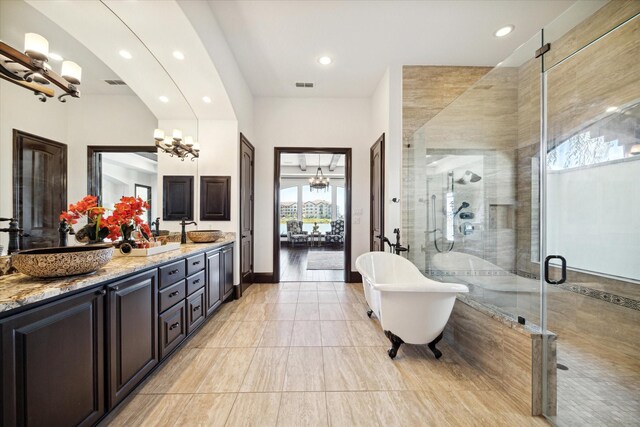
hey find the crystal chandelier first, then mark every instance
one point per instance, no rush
(175, 146)
(319, 182)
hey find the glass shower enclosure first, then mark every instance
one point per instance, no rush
(526, 189)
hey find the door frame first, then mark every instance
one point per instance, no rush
(94, 168)
(382, 184)
(277, 151)
(245, 141)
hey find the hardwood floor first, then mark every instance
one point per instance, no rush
(306, 354)
(293, 264)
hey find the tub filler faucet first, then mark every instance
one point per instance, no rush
(396, 247)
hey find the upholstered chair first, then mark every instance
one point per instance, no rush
(295, 233)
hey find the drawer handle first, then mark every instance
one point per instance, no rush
(195, 282)
(196, 308)
(172, 272)
(173, 294)
(196, 262)
(101, 292)
(175, 325)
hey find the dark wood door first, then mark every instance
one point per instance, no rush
(53, 363)
(133, 333)
(212, 293)
(377, 195)
(227, 271)
(40, 188)
(247, 184)
(177, 197)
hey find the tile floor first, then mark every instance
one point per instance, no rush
(305, 354)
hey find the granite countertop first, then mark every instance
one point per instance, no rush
(18, 290)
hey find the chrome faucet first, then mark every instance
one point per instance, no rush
(183, 223)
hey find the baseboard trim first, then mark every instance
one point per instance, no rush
(355, 277)
(263, 278)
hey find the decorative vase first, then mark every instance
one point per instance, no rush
(91, 234)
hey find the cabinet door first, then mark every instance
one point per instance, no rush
(53, 363)
(227, 254)
(173, 328)
(213, 281)
(133, 345)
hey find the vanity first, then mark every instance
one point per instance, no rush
(73, 348)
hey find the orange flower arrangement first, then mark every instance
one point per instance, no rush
(121, 223)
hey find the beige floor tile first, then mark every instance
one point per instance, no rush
(164, 377)
(305, 369)
(282, 312)
(247, 334)
(343, 370)
(326, 286)
(219, 336)
(290, 286)
(328, 297)
(277, 333)
(354, 311)
(228, 372)
(307, 297)
(351, 409)
(207, 410)
(406, 408)
(255, 409)
(285, 297)
(306, 333)
(303, 409)
(386, 375)
(366, 333)
(256, 312)
(335, 333)
(308, 286)
(330, 312)
(151, 410)
(190, 376)
(307, 311)
(266, 371)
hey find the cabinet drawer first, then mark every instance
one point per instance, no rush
(195, 264)
(171, 295)
(172, 328)
(171, 273)
(195, 310)
(195, 282)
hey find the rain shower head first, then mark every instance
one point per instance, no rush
(469, 177)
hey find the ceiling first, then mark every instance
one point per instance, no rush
(277, 43)
(311, 160)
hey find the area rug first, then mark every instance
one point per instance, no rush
(327, 260)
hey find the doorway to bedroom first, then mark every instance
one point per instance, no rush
(312, 212)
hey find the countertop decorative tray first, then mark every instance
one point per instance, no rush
(148, 251)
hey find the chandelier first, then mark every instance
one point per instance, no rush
(32, 71)
(319, 182)
(175, 146)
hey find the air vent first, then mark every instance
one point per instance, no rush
(301, 84)
(115, 82)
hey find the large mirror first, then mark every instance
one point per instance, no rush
(102, 143)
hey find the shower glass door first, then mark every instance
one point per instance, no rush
(590, 176)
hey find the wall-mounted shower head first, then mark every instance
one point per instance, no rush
(469, 177)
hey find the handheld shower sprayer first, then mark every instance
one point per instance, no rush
(464, 205)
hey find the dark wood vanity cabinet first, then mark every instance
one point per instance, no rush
(133, 333)
(70, 361)
(53, 363)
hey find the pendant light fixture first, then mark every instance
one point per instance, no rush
(319, 182)
(175, 145)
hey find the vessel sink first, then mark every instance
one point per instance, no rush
(205, 236)
(62, 261)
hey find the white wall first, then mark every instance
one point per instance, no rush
(386, 117)
(592, 217)
(310, 122)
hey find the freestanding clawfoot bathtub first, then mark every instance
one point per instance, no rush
(412, 308)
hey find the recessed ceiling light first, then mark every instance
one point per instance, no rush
(163, 99)
(611, 109)
(325, 60)
(55, 56)
(178, 55)
(504, 31)
(125, 54)
(206, 99)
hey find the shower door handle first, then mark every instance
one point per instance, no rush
(563, 266)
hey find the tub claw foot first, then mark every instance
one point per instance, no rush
(432, 346)
(369, 313)
(396, 342)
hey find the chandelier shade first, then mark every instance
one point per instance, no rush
(319, 182)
